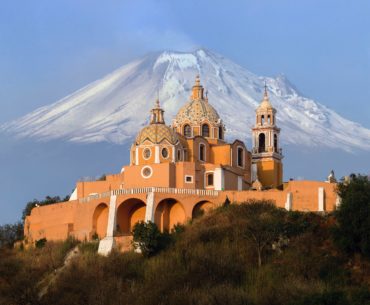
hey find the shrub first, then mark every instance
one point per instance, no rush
(40, 243)
(352, 233)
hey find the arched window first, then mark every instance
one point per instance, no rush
(205, 130)
(263, 120)
(178, 155)
(275, 142)
(202, 152)
(240, 157)
(220, 133)
(261, 143)
(187, 131)
(269, 119)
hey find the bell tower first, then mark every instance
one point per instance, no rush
(266, 153)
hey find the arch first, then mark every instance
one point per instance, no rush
(168, 213)
(275, 142)
(187, 130)
(261, 142)
(201, 208)
(100, 220)
(205, 130)
(129, 213)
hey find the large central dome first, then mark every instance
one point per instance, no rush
(196, 112)
(197, 109)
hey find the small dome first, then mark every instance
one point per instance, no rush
(265, 104)
(196, 111)
(156, 133)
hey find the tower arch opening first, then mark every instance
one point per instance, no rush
(261, 142)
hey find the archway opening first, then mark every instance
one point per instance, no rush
(275, 143)
(100, 220)
(261, 143)
(202, 208)
(129, 213)
(169, 213)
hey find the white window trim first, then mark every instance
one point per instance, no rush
(168, 152)
(144, 154)
(142, 172)
(189, 176)
(205, 179)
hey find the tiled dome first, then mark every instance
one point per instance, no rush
(156, 133)
(196, 111)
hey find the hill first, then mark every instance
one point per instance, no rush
(212, 260)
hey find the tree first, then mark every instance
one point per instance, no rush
(148, 238)
(352, 233)
(10, 233)
(265, 225)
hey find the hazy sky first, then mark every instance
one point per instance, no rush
(48, 49)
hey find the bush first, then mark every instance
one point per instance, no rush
(40, 243)
(352, 233)
(148, 239)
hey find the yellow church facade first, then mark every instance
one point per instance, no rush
(177, 172)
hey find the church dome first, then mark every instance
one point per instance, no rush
(196, 111)
(156, 133)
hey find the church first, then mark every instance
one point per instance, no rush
(177, 172)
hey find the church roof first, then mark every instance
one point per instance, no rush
(157, 133)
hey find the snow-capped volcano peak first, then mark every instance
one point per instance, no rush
(115, 107)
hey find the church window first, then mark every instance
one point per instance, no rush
(146, 172)
(263, 120)
(220, 133)
(209, 179)
(240, 156)
(275, 143)
(205, 130)
(147, 153)
(269, 119)
(188, 179)
(179, 155)
(202, 152)
(165, 153)
(261, 143)
(187, 131)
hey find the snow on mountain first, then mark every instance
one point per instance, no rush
(115, 107)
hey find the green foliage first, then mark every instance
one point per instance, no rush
(212, 260)
(40, 243)
(10, 233)
(47, 201)
(353, 216)
(148, 239)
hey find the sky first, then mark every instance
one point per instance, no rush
(48, 49)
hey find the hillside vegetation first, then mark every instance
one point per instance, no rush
(249, 253)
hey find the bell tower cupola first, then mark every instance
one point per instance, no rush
(267, 154)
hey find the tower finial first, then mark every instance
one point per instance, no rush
(157, 105)
(265, 93)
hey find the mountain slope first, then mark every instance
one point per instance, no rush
(115, 107)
